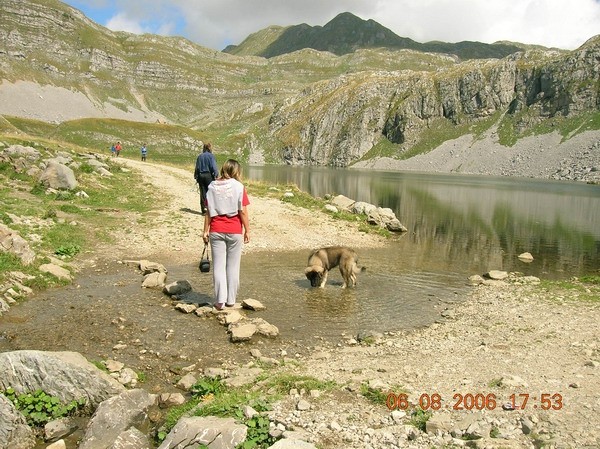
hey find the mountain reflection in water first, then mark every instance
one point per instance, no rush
(471, 224)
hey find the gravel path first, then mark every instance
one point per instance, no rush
(274, 224)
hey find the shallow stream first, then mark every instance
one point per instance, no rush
(106, 307)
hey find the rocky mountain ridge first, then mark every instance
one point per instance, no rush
(304, 108)
(340, 121)
(347, 33)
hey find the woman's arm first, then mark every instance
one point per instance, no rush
(206, 227)
(245, 224)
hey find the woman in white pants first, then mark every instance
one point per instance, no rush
(226, 227)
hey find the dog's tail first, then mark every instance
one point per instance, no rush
(356, 269)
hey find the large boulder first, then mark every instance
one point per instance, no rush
(222, 433)
(14, 431)
(115, 416)
(66, 375)
(362, 208)
(342, 202)
(132, 438)
(58, 176)
(385, 218)
(20, 157)
(12, 242)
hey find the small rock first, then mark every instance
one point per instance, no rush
(335, 426)
(252, 304)
(229, 317)
(186, 382)
(303, 405)
(113, 366)
(167, 400)
(60, 444)
(398, 416)
(497, 275)
(186, 308)
(526, 426)
(178, 288)
(249, 412)
(243, 332)
(215, 373)
(203, 311)
(526, 257)
(476, 280)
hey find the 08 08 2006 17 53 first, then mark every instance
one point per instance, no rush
(478, 401)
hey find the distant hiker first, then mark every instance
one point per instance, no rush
(205, 172)
(144, 151)
(113, 150)
(118, 148)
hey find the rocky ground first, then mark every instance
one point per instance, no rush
(509, 337)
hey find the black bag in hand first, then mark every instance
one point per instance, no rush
(204, 261)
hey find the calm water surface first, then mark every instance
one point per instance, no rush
(460, 224)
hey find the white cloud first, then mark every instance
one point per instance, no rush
(121, 22)
(545, 22)
(216, 23)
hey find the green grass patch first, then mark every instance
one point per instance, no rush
(283, 383)
(495, 383)
(64, 239)
(39, 408)
(210, 397)
(526, 123)
(442, 130)
(585, 288)
(372, 394)
(383, 148)
(63, 223)
(68, 250)
(419, 418)
(206, 386)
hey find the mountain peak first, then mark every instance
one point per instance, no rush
(346, 33)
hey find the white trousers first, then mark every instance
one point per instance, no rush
(227, 254)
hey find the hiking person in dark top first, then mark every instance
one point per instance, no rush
(205, 172)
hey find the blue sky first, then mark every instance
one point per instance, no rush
(217, 23)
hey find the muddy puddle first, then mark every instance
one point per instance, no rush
(106, 314)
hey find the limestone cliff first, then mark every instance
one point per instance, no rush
(339, 121)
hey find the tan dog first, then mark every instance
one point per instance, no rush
(322, 260)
